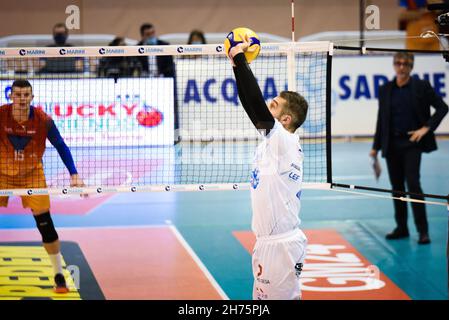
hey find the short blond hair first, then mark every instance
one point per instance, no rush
(296, 106)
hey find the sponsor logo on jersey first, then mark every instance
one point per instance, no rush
(294, 176)
(255, 179)
(263, 281)
(259, 272)
(260, 294)
(295, 166)
(298, 269)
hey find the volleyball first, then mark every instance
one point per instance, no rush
(236, 36)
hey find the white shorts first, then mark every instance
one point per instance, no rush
(277, 264)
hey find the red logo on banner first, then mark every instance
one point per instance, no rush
(149, 117)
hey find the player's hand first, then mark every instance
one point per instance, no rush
(373, 153)
(233, 52)
(417, 135)
(241, 47)
(76, 181)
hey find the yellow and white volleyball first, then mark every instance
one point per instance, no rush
(237, 35)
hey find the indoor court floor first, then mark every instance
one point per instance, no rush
(197, 245)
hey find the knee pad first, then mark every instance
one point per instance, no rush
(45, 225)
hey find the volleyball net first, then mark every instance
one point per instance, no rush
(156, 118)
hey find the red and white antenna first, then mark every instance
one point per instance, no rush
(291, 61)
(293, 20)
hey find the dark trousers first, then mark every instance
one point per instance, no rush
(403, 162)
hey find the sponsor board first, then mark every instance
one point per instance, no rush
(102, 112)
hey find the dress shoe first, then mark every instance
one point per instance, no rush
(423, 238)
(397, 234)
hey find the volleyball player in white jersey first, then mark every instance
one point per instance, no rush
(276, 180)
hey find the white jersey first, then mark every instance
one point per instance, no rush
(276, 182)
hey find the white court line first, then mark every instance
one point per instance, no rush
(198, 262)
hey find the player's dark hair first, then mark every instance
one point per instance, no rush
(21, 83)
(296, 106)
(144, 27)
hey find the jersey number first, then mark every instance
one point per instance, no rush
(19, 155)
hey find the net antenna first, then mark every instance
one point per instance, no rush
(291, 55)
(293, 20)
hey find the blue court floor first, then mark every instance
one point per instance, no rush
(207, 220)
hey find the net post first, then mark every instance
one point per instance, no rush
(328, 114)
(362, 7)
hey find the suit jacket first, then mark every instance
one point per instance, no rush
(423, 97)
(165, 64)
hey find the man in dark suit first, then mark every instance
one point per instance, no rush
(404, 131)
(157, 66)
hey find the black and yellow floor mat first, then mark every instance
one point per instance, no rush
(26, 273)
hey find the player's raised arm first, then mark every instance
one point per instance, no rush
(249, 92)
